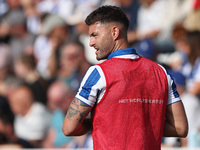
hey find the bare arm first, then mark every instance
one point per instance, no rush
(176, 124)
(75, 122)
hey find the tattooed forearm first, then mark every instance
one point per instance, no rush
(82, 115)
(73, 109)
(76, 121)
(78, 108)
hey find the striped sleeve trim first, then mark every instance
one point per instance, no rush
(92, 86)
(173, 95)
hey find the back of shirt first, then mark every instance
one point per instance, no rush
(132, 112)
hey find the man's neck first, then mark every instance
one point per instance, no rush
(121, 44)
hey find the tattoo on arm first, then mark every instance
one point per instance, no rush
(83, 104)
(74, 109)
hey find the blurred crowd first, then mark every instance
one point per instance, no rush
(44, 54)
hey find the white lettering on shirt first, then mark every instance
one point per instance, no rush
(138, 100)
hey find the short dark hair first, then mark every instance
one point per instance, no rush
(107, 14)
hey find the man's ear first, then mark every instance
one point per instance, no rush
(115, 32)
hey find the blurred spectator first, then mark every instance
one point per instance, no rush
(155, 22)
(179, 31)
(13, 5)
(191, 97)
(73, 64)
(9, 84)
(59, 99)
(8, 6)
(186, 61)
(32, 15)
(59, 96)
(179, 57)
(25, 69)
(176, 60)
(6, 128)
(173, 61)
(55, 32)
(179, 7)
(131, 8)
(62, 8)
(21, 41)
(32, 119)
(150, 16)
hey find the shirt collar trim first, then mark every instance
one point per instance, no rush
(122, 52)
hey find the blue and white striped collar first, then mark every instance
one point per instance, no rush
(124, 53)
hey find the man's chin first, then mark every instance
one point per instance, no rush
(99, 59)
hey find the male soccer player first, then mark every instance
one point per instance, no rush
(132, 100)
